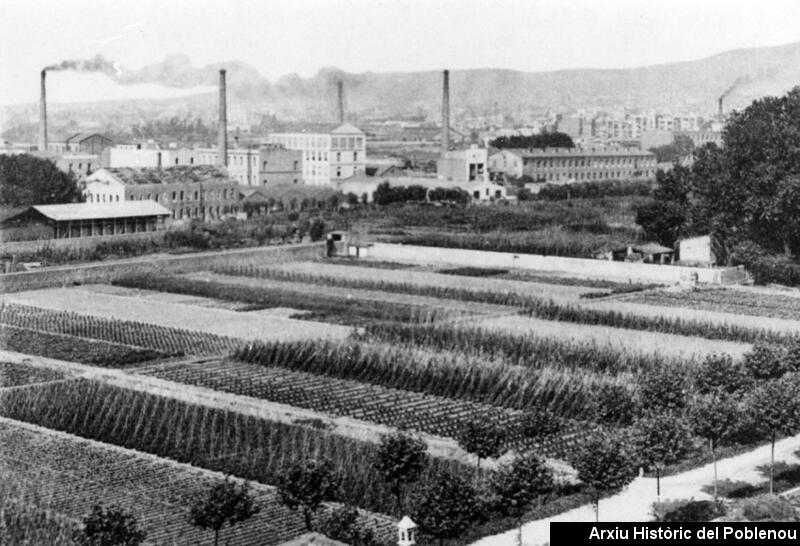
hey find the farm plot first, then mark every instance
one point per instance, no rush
(206, 437)
(14, 375)
(637, 341)
(369, 278)
(170, 341)
(392, 407)
(219, 322)
(657, 310)
(73, 349)
(69, 475)
(726, 300)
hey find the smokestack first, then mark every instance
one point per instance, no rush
(446, 113)
(340, 85)
(43, 114)
(222, 136)
(720, 105)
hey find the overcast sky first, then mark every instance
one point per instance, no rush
(301, 36)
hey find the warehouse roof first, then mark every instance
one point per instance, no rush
(180, 174)
(99, 211)
(576, 152)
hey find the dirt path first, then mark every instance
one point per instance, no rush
(635, 501)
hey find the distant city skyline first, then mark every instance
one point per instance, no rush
(280, 38)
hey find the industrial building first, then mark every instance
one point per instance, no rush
(189, 191)
(566, 165)
(330, 152)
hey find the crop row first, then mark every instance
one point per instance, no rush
(528, 350)
(727, 301)
(392, 407)
(539, 307)
(172, 341)
(68, 476)
(216, 439)
(13, 374)
(73, 349)
(564, 392)
(330, 307)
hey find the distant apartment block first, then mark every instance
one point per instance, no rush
(189, 191)
(329, 153)
(565, 165)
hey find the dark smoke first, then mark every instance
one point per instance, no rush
(739, 81)
(95, 64)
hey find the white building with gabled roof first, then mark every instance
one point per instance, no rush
(331, 152)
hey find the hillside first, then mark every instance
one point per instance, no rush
(692, 85)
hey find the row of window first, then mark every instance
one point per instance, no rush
(609, 175)
(203, 212)
(590, 162)
(210, 195)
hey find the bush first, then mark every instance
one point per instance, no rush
(342, 524)
(768, 508)
(683, 510)
(734, 489)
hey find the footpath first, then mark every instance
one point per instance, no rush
(634, 503)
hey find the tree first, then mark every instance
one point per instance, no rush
(519, 483)
(306, 485)
(29, 180)
(603, 464)
(766, 361)
(342, 525)
(316, 229)
(446, 507)
(225, 502)
(681, 147)
(662, 221)
(482, 438)
(720, 373)
(613, 405)
(775, 407)
(750, 188)
(715, 417)
(662, 389)
(400, 458)
(110, 527)
(661, 439)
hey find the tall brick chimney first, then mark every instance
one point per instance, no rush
(43, 113)
(446, 113)
(222, 136)
(340, 86)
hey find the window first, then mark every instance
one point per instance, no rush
(181, 195)
(355, 156)
(338, 156)
(196, 195)
(117, 197)
(176, 160)
(173, 196)
(295, 165)
(338, 172)
(191, 161)
(264, 168)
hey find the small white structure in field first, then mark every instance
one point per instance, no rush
(696, 251)
(406, 532)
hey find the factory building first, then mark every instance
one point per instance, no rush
(194, 191)
(566, 165)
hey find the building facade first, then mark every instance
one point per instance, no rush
(567, 165)
(193, 191)
(329, 153)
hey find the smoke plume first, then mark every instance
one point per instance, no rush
(739, 81)
(95, 64)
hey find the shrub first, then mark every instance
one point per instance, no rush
(734, 489)
(687, 510)
(766, 361)
(768, 508)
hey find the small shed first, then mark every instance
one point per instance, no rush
(648, 253)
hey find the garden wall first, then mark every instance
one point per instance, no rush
(575, 267)
(105, 272)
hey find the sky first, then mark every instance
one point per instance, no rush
(302, 36)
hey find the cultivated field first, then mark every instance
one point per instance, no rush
(219, 322)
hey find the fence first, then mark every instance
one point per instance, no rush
(575, 267)
(76, 243)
